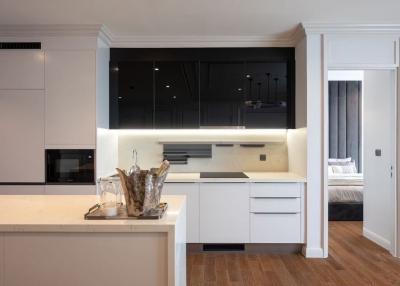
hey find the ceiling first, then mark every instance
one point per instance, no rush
(198, 17)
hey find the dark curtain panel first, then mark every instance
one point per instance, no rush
(345, 120)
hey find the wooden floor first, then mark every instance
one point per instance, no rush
(353, 260)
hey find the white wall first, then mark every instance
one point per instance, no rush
(106, 153)
(102, 85)
(234, 158)
(337, 48)
(337, 75)
(379, 198)
(316, 245)
(297, 151)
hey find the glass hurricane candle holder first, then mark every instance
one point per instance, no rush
(109, 195)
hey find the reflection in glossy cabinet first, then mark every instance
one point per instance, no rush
(176, 95)
(266, 98)
(135, 95)
(222, 93)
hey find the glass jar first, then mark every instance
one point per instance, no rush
(109, 195)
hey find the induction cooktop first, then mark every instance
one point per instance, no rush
(223, 175)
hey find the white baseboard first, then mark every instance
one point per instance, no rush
(310, 252)
(377, 238)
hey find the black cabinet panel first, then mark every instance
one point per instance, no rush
(176, 95)
(193, 87)
(266, 95)
(221, 93)
(135, 95)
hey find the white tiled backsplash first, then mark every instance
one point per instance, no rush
(234, 158)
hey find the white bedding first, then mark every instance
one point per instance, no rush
(353, 179)
(345, 187)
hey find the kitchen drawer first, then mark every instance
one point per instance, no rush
(275, 205)
(277, 190)
(275, 228)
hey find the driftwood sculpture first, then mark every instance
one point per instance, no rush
(142, 188)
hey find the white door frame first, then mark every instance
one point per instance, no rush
(325, 134)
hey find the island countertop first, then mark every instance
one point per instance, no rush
(54, 213)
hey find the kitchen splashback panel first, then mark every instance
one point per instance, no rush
(232, 158)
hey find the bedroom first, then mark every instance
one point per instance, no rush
(361, 153)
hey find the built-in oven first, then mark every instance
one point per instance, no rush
(70, 166)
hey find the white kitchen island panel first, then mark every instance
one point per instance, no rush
(46, 239)
(191, 191)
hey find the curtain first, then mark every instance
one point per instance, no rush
(345, 120)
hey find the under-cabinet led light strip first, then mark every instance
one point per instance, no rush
(200, 132)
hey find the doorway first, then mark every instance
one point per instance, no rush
(361, 176)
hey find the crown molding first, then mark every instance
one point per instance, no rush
(50, 30)
(198, 41)
(332, 28)
(128, 41)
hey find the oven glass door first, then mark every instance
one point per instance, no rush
(70, 166)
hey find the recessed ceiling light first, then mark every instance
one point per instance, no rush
(119, 97)
(239, 89)
(116, 69)
(156, 69)
(248, 76)
(167, 86)
(174, 97)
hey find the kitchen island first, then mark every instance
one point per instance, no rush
(44, 240)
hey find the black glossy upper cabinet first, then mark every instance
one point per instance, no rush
(221, 93)
(176, 95)
(202, 87)
(133, 99)
(267, 101)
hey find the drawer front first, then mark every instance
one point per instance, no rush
(275, 228)
(277, 190)
(275, 205)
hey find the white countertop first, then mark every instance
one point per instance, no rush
(52, 213)
(276, 177)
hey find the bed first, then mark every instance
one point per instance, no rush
(345, 193)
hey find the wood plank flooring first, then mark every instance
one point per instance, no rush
(353, 260)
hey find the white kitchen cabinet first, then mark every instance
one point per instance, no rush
(275, 205)
(275, 228)
(70, 98)
(191, 191)
(22, 136)
(224, 212)
(279, 190)
(277, 213)
(22, 189)
(21, 69)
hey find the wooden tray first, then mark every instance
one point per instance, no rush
(95, 213)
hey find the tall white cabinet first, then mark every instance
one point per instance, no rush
(48, 101)
(22, 116)
(21, 69)
(70, 98)
(22, 136)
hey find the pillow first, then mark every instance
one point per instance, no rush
(349, 168)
